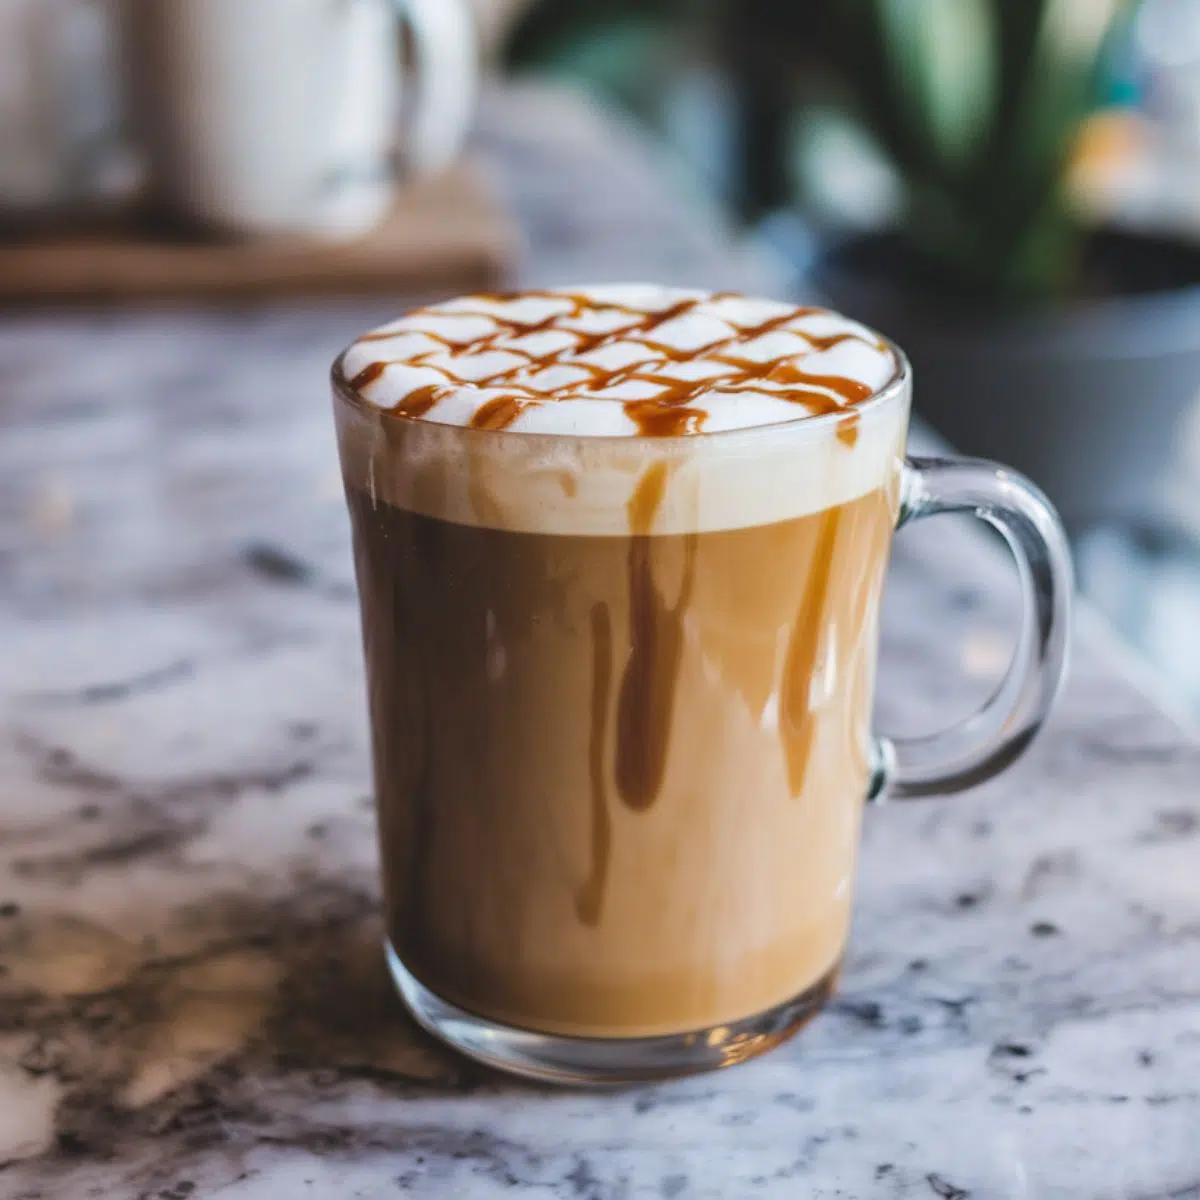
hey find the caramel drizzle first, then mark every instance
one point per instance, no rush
(797, 720)
(647, 699)
(590, 898)
(659, 418)
(417, 404)
(499, 413)
(368, 375)
(647, 695)
(653, 417)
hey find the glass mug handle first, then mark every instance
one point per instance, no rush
(984, 744)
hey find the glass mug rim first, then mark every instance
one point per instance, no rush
(897, 386)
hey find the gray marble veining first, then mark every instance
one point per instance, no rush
(192, 1001)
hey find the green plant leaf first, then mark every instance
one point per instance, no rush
(944, 66)
(977, 103)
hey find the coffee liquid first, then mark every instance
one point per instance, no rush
(620, 778)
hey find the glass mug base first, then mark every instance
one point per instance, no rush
(600, 1062)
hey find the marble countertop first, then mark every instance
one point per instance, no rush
(192, 999)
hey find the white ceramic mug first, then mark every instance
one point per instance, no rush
(60, 145)
(262, 117)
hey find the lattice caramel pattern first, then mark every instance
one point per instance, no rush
(661, 363)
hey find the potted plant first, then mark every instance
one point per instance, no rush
(626, 50)
(1072, 354)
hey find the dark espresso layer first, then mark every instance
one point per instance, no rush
(620, 778)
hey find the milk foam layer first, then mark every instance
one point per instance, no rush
(588, 482)
(572, 361)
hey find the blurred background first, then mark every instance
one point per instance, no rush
(1008, 188)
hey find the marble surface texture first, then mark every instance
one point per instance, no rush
(192, 1000)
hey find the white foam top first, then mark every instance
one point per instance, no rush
(579, 361)
(602, 365)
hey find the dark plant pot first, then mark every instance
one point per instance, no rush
(1087, 398)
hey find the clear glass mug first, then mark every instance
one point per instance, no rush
(621, 746)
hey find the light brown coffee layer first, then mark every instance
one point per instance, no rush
(620, 777)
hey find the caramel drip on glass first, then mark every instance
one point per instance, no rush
(590, 899)
(646, 703)
(827, 341)
(650, 416)
(647, 498)
(797, 722)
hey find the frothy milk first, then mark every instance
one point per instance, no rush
(605, 381)
(582, 361)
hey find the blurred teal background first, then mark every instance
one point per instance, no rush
(1023, 173)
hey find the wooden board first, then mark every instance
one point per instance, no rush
(446, 233)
